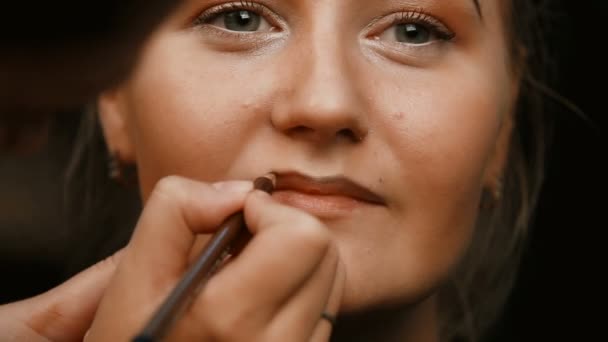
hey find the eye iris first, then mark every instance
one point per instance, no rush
(242, 20)
(413, 34)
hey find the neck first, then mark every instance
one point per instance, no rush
(418, 323)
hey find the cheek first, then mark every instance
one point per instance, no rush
(439, 142)
(444, 136)
(185, 115)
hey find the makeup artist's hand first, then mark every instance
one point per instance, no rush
(61, 314)
(275, 290)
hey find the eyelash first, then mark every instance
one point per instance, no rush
(417, 16)
(421, 18)
(212, 13)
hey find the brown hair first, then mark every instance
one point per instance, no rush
(475, 297)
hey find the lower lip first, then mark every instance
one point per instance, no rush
(321, 206)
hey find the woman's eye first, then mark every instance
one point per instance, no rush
(413, 34)
(416, 29)
(410, 33)
(238, 20)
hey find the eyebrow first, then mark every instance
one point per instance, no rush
(477, 7)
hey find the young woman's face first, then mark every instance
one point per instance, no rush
(383, 118)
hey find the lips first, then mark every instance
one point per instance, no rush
(324, 197)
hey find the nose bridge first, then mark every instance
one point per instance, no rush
(326, 78)
(322, 95)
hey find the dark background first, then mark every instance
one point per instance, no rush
(559, 287)
(557, 297)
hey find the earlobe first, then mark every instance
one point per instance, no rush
(115, 125)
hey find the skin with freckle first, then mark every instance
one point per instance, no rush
(335, 88)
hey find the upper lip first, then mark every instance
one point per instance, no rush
(331, 185)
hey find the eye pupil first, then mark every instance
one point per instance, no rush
(242, 20)
(413, 34)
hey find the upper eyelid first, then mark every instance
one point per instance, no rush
(426, 19)
(213, 11)
(416, 15)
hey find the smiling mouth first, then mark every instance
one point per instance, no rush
(324, 197)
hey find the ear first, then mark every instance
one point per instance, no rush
(495, 168)
(497, 163)
(114, 120)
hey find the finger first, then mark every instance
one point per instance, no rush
(175, 212)
(299, 318)
(324, 328)
(286, 250)
(66, 312)
(178, 209)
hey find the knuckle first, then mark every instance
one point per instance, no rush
(311, 233)
(171, 191)
(168, 186)
(233, 321)
(220, 327)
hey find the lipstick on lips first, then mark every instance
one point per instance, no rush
(324, 197)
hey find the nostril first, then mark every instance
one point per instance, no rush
(299, 130)
(305, 132)
(349, 134)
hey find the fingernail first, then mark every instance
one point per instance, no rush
(260, 193)
(239, 187)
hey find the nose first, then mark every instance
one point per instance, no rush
(320, 103)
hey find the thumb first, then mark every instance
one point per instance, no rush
(65, 313)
